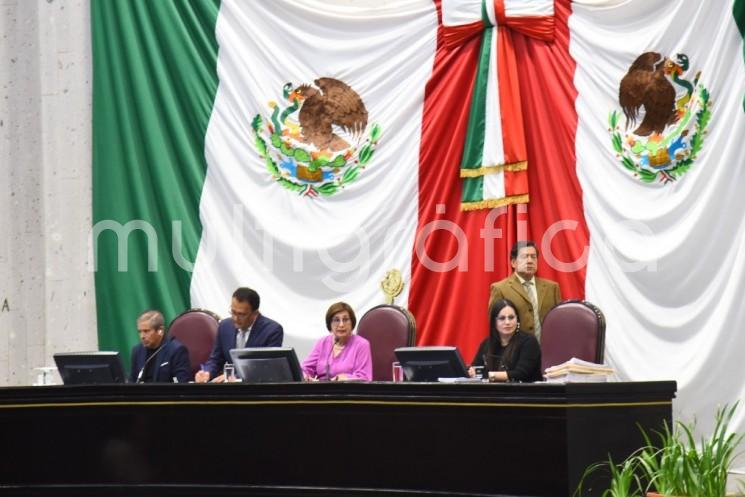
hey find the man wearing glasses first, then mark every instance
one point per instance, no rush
(246, 327)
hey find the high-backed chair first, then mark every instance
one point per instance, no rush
(197, 329)
(574, 328)
(387, 327)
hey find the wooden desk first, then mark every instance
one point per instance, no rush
(320, 438)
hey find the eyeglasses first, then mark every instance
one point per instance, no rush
(338, 321)
(507, 318)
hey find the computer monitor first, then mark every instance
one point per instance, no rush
(266, 364)
(85, 368)
(431, 363)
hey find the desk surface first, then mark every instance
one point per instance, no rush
(321, 438)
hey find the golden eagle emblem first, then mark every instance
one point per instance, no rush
(672, 113)
(646, 85)
(332, 103)
(319, 141)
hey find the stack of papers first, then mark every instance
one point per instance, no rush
(577, 370)
(460, 380)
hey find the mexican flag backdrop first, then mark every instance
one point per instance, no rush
(306, 148)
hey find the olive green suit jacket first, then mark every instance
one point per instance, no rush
(510, 288)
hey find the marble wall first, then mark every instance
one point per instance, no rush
(47, 300)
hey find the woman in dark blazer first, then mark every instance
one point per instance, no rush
(508, 354)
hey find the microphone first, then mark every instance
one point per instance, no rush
(328, 359)
(142, 371)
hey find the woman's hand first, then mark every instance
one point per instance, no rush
(498, 376)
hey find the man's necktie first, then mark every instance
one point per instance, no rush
(534, 303)
(240, 339)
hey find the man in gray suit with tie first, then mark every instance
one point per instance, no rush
(246, 327)
(532, 296)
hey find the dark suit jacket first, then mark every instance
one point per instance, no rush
(172, 360)
(264, 333)
(510, 288)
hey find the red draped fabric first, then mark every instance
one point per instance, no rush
(449, 303)
(546, 75)
(509, 99)
(540, 28)
(455, 36)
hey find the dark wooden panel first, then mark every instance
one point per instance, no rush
(532, 440)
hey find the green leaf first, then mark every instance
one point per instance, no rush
(339, 161)
(316, 163)
(271, 166)
(290, 185)
(704, 94)
(260, 146)
(366, 154)
(697, 142)
(256, 122)
(285, 149)
(647, 176)
(294, 187)
(683, 166)
(350, 174)
(613, 119)
(301, 155)
(375, 132)
(628, 163)
(328, 189)
(276, 140)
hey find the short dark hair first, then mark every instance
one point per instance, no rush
(521, 245)
(336, 309)
(245, 294)
(154, 319)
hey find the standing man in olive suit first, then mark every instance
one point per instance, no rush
(532, 296)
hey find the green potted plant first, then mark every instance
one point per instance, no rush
(681, 468)
(624, 478)
(676, 466)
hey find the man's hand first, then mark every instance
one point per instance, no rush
(202, 377)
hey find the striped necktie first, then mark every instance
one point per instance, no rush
(240, 339)
(534, 303)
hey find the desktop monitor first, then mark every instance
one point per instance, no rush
(85, 368)
(266, 364)
(431, 363)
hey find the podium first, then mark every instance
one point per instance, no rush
(320, 438)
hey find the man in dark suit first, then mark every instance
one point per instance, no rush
(158, 358)
(532, 296)
(246, 327)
